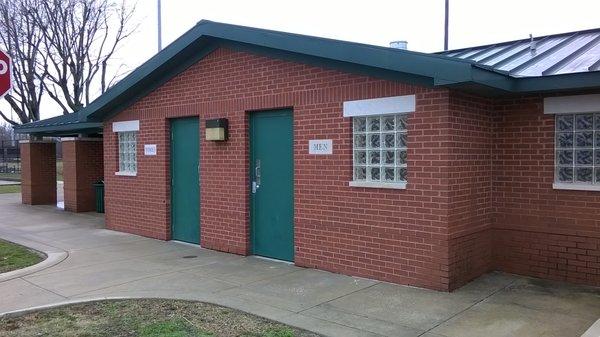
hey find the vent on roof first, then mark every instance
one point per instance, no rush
(399, 44)
(532, 44)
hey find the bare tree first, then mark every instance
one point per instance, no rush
(21, 37)
(62, 49)
(6, 132)
(80, 37)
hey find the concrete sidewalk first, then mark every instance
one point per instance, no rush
(103, 263)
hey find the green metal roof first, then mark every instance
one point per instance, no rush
(64, 125)
(389, 63)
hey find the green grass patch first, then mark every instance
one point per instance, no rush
(145, 318)
(10, 176)
(59, 170)
(13, 257)
(174, 328)
(10, 189)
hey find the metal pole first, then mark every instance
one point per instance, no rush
(159, 27)
(445, 26)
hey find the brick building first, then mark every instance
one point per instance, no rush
(419, 169)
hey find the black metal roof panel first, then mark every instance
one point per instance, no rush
(566, 53)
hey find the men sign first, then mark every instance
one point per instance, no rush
(5, 74)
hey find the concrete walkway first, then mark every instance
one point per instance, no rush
(103, 263)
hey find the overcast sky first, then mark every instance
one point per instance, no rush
(378, 22)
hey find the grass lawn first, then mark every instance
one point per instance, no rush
(14, 257)
(59, 170)
(145, 318)
(10, 189)
(10, 176)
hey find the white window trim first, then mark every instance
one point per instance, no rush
(575, 187)
(377, 184)
(572, 104)
(380, 106)
(126, 126)
(126, 174)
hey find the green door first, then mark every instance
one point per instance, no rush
(185, 181)
(272, 179)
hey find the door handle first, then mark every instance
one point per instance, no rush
(256, 182)
(257, 172)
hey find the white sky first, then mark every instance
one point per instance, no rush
(376, 22)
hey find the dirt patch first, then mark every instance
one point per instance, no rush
(145, 318)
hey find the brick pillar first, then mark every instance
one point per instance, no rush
(38, 172)
(83, 165)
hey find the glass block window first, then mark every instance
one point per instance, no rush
(127, 152)
(577, 149)
(380, 148)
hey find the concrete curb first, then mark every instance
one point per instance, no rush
(285, 317)
(21, 312)
(593, 331)
(53, 256)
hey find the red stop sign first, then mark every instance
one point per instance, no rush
(5, 74)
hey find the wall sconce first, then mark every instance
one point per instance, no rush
(217, 129)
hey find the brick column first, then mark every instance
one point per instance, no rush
(38, 172)
(83, 166)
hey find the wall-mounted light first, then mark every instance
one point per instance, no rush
(217, 129)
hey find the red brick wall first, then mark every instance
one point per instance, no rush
(392, 235)
(480, 178)
(82, 167)
(139, 204)
(38, 173)
(470, 177)
(539, 231)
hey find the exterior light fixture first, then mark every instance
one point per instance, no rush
(217, 129)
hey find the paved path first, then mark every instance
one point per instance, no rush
(104, 263)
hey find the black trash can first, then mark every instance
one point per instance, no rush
(99, 186)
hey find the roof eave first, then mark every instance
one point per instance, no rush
(564, 82)
(188, 50)
(51, 130)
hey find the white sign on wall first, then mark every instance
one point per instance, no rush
(150, 149)
(320, 146)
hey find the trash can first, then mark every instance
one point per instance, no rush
(99, 186)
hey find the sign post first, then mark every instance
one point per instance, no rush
(5, 73)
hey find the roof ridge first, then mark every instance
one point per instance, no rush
(328, 39)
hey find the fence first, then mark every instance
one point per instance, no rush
(10, 158)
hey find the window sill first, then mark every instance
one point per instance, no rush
(374, 184)
(126, 174)
(576, 187)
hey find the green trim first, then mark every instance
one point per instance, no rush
(431, 70)
(206, 36)
(565, 82)
(64, 128)
(328, 63)
(130, 91)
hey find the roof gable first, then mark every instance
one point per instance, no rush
(422, 68)
(462, 69)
